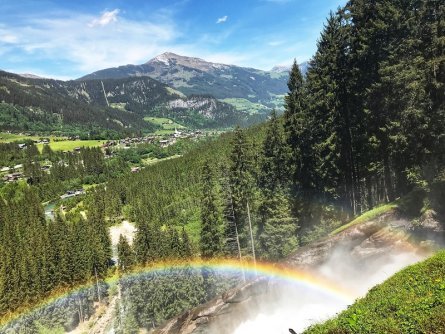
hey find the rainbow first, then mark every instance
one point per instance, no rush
(274, 272)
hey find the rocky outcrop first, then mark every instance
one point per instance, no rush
(364, 243)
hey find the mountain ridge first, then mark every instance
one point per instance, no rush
(192, 75)
(118, 104)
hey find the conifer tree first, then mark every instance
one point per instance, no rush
(210, 241)
(273, 157)
(241, 181)
(125, 254)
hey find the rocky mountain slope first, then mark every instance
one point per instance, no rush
(111, 104)
(197, 76)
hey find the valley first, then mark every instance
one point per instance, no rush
(166, 181)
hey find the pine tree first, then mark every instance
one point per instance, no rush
(186, 247)
(278, 234)
(210, 241)
(241, 182)
(273, 157)
(125, 254)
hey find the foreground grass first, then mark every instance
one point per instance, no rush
(411, 301)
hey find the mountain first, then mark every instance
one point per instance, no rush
(286, 68)
(112, 104)
(196, 76)
(30, 76)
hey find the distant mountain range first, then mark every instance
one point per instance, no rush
(109, 104)
(242, 87)
(191, 91)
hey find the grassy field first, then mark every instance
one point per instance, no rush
(56, 143)
(69, 145)
(245, 105)
(168, 126)
(151, 161)
(120, 106)
(10, 137)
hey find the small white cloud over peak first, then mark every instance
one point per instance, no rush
(106, 18)
(8, 38)
(222, 19)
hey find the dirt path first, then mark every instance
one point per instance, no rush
(105, 318)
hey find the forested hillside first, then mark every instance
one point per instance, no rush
(32, 105)
(98, 106)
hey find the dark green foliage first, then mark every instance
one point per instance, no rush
(60, 316)
(125, 254)
(151, 298)
(277, 229)
(210, 240)
(37, 256)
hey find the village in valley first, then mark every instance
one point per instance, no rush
(109, 148)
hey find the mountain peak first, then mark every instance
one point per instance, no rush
(165, 57)
(171, 59)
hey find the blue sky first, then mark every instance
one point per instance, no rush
(68, 39)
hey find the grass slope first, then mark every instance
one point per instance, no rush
(69, 145)
(368, 215)
(411, 301)
(6, 137)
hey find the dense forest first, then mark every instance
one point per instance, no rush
(365, 126)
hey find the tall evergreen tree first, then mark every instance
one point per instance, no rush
(210, 241)
(241, 181)
(125, 254)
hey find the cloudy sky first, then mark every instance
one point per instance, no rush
(68, 39)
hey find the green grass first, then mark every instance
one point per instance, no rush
(411, 301)
(368, 215)
(245, 105)
(120, 106)
(56, 143)
(10, 137)
(150, 161)
(69, 145)
(165, 123)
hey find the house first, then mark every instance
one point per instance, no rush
(5, 169)
(13, 177)
(135, 169)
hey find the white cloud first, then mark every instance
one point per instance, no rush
(275, 43)
(222, 19)
(8, 38)
(68, 37)
(106, 18)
